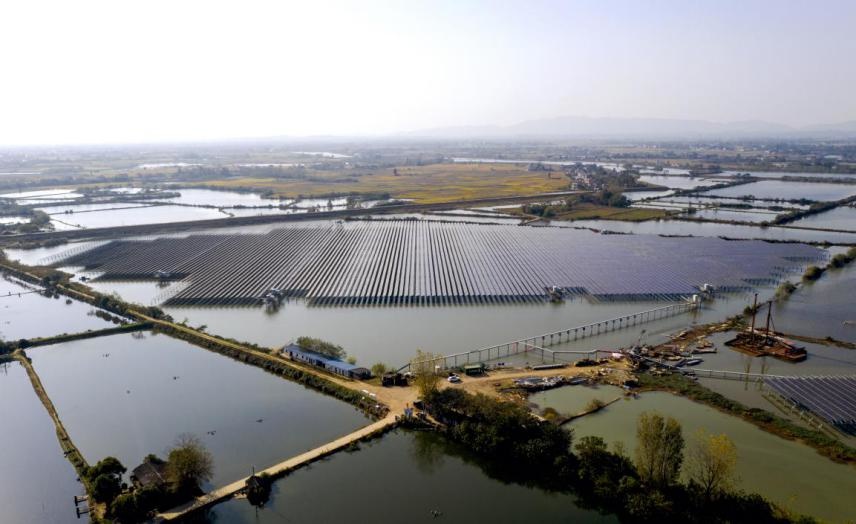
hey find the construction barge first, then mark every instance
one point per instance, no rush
(765, 341)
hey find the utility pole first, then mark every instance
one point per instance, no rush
(754, 311)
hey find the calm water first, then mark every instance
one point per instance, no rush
(643, 195)
(575, 399)
(31, 315)
(781, 174)
(712, 229)
(129, 397)
(392, 334)
(209, 197)
(822, 307)
(403, 477)
(767, 464)
(36, 482)
(135, 216)
(679, 182)
(742, 216)
(789, 190)
(838, 218)
(70, 209)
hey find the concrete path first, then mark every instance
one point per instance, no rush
(229, 490)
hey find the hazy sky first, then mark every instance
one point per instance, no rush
(112, 71)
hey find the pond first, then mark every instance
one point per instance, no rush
(134, 216)
(679, 182)
(782, 174)
(839, 218)
(210, 197)
(713, 229)
(822, 308)
(37, 483)
(28, 314)
(404, 476)
(735, 215)
(131, 395)
(85, 208)
(767, 464)
(788, 190)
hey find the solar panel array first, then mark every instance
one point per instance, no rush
(420, 262)
(832, 398)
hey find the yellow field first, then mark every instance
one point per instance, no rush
(423, 184)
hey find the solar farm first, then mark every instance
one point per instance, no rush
(831, 398)
(421, 262)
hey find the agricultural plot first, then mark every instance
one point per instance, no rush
(832, 398)
(418, 262)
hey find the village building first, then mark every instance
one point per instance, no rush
(330, 364)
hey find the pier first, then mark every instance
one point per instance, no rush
(538, 344)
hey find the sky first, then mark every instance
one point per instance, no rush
(154, 71)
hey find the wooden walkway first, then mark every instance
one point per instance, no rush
(224, 492)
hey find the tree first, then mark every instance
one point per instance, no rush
(711, 461)
(379, 369)
(105, 487)
(189, 463)
(659, 449)
(424, 373)
(316, 345)
(106, 466)
(105, 479)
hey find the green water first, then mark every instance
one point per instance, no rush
(402, 478)
(788, 473)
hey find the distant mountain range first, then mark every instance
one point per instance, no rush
(661, 128)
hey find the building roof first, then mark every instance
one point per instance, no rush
(148, 474)
(324, 359)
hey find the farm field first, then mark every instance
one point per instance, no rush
(422, 184)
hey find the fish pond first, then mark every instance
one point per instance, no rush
(409, 475)
(767, 464)
(37, 483)
(26, 313)
(131, 395)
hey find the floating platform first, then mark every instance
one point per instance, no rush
(762, 344)
(422, 262)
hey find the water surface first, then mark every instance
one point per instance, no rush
(37, 484)
(131, 396)
(403, 477)
(767, 464)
